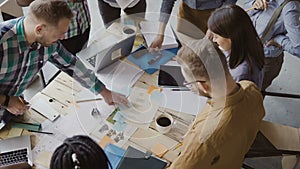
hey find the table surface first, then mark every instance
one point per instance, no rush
(62, 90)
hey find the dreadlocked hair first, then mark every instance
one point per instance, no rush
(79, 152)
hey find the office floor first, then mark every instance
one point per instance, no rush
(279, 110)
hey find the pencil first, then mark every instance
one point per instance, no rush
(177, 146)
(88, 100)
(249, 9)
(42, 132)
(21, 100)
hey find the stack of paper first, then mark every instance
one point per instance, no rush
(150, 29)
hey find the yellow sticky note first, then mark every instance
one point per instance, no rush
(159, 150)
(152, 88)
(14, 132)
(43, 158)
(105, 140)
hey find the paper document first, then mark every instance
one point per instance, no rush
(182, 101)
(150, 29)
(120, 76)
(143, 107)
(43, 107)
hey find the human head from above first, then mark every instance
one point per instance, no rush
(79, 152)
(47, 21)
(204, 68)
(234, 32)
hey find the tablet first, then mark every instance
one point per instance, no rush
(170, 76)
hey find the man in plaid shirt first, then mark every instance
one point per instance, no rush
(79, 28)
(27, 43)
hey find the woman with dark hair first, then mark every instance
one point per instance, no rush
(233, 31)
(79, 152)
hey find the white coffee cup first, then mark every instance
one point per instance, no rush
(129, 30)
(164, 123)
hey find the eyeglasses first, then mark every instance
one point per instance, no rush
(189, 84)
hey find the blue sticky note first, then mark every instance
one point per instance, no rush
(144, 61)
(114, 154)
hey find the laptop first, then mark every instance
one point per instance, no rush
(110, 54)
(15, 153)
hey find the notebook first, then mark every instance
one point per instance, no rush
(136, 159)
(15, 153)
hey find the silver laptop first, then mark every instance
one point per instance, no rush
(15, 153)
(109, 55)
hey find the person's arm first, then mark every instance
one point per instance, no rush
(14, 104)
(165, 11)
(290, 41)
(24, 3)
(194, 155)
(74, 67)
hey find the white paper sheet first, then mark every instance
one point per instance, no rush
(183, 101)
(120, 76)
(142, 107)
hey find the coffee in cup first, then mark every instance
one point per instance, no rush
(128, 30)
(164, 123)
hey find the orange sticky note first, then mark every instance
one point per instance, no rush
(105, 140)
(152, 88)
(159, 150)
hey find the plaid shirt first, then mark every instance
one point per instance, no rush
(81, 21)
(19, 63)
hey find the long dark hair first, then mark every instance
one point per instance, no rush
(79, 151)
(234, 23)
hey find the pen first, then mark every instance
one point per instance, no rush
(42, 132)
(88, 100)
(183, 89)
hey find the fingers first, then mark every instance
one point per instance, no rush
(260, 4)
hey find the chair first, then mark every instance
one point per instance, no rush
(263, 147)
(9, 9)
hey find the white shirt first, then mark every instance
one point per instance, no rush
(122, 3)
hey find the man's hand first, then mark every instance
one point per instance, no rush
(112, 98)
(260, 4)
(17, 105)
(157, 43)
(209, 35)
(273, 43)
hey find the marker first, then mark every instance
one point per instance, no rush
(42, 132)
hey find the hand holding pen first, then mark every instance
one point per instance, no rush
(17, 105)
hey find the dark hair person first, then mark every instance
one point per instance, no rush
(233, 31)
(79, 152)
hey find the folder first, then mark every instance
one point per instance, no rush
(136, 159)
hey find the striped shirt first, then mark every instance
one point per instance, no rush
(19, 62)
(81, 20)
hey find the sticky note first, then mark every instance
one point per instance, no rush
(14, 132)
(43, 158)
(159, 150)
(152, 88)
(105, 140)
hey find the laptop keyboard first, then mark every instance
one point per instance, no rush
(92, 60)
(13, 157)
